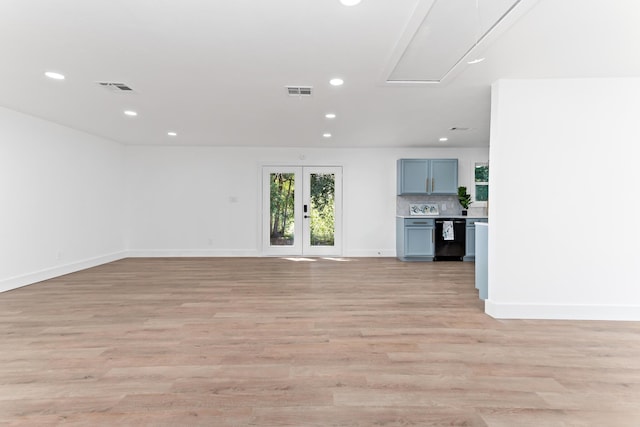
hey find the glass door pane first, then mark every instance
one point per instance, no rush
(322, 228)
(281, 210)
(282, 187)
(322, 209)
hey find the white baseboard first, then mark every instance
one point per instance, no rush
(170, 253)
(366, 253)
(60, 270)
(562, 312)
(176, 253)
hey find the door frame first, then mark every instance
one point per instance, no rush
(301, 246)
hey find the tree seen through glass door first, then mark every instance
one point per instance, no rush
(322, 209)
(282, 209)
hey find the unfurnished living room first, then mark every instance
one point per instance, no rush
(319, 213)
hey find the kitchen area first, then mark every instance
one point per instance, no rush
(434, 221)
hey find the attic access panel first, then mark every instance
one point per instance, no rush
(448, 32)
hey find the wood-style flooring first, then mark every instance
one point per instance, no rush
(276, 342)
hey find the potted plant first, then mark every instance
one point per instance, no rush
(464, 198)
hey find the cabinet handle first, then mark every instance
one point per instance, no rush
(432, 233)
(433, 184)
(427, 185)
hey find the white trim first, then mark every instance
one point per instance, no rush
(61, 270)
(195, 253)
(301, 246)
(562, 312)
(369, 253)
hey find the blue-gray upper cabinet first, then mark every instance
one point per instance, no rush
(428, 176)
(444, 176)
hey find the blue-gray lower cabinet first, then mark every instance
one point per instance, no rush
(470, 241)
(415, 239)
(482, 261)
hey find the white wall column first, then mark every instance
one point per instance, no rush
(563, 202)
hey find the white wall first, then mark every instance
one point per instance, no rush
(180, 197)
(564, 235)
(61, 200)
(72, 200)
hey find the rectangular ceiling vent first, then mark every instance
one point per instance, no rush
(459, 128)
(116, 87)
(299, 90)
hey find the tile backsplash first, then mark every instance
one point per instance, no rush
(447, 205)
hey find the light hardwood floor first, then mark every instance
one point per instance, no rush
(274, 342)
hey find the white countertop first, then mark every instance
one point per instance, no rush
(442, 216)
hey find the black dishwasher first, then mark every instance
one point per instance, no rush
(450, 239)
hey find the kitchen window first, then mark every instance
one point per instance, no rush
(481, 182)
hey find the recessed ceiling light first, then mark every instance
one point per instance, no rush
(54, 75)
(336, 82)
(172, 134)
(326, 135)
(444, 139)
(476, 61)
(130, 113)
(330, 115)
(350, 2)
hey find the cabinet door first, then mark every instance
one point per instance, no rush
(470, 241)
(412, 176)
(418, 241)
(444, 176)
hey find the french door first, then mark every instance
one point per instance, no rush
(302, 210)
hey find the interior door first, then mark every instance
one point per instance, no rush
(302, 210)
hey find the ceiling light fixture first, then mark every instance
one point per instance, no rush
(330, 115)
(130, 113)
(350, 2)
(336, 82)
(444, 139)
(475, 45)
(326, 135)
(172, 134)
(53, 75)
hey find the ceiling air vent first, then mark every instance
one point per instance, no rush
(459, 128)
(116, 87)
(299, 90)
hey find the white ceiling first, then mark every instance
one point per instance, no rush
(215, 71)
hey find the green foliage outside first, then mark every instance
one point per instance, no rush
(482, 173)
(322, 209)
(482, 193)
(282, 197)
(481, 179)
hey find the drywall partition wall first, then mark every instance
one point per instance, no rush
(61, 199)
(207, 200)
(563, 238)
